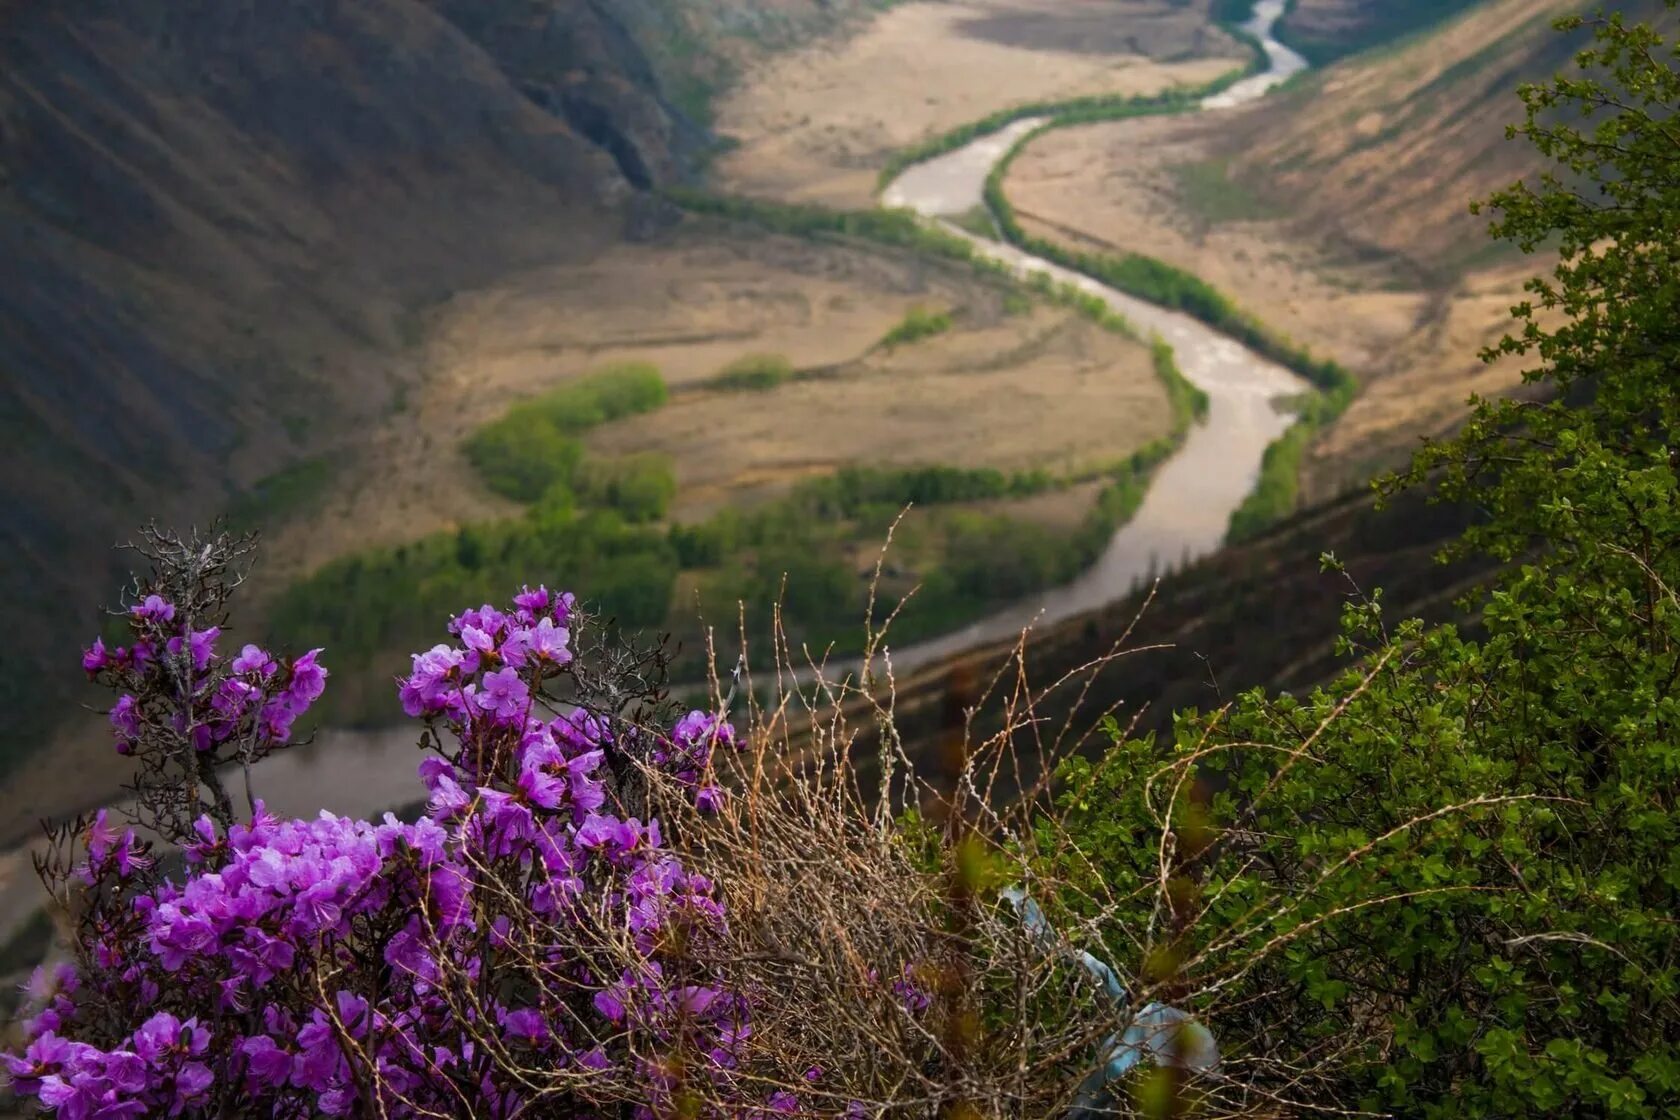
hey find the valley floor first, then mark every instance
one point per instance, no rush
(816, 125)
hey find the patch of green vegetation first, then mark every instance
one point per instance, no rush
(1277, 494)
(1188, 402)
(897, 228)
(281, 495)
(532, 448)
(857, 491)
(755, 372)
(522, 455)
(1208, 191)
(639, 487)
(978, 221)
(918, 323)
(374, 606)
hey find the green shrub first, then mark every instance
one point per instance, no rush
(1277, 493)
(917, 324)
(531, 449)
(755, 372)
(637, 487)
(523, 455)
(1454, 864)
(382, 602)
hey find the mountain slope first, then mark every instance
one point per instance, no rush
(1389, 148)
(220, 219)
(1325, 30)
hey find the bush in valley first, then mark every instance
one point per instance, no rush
(898, 228)
(372, 604)
(1186, 400)
(918, 323)
(533, 447)
(755, 372)
(638, 487)
(523, 455)
(852, 490)
(1277, 492)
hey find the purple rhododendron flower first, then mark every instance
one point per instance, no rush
(254, 660)
(504, 694)
(125, 717)
(200, 645)
(526, 847)
(309, 678)
(154, 608)
(96, 657)
(532, 602)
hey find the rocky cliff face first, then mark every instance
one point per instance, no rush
(220, 218)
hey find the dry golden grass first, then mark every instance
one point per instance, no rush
(816, 125)
(1047, 390)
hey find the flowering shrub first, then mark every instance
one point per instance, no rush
(528, 947)
(607, 907)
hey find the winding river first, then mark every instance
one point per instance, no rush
(1183, 517)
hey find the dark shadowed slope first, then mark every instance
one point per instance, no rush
(1325, 30)
(219, 220)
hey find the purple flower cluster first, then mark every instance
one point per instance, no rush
(687, 755)
(172, 683)
(336, 967)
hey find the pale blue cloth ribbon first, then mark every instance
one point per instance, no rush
(1167, 1036)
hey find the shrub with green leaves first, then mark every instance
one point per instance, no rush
(637, 487)
(533, 447)
(755, 373)
(1446, 882)
(918, 323)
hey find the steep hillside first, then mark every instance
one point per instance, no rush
(1337, 210)
(1325, 30)
(1389, 149)
(1260, 614)
(219, 223)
